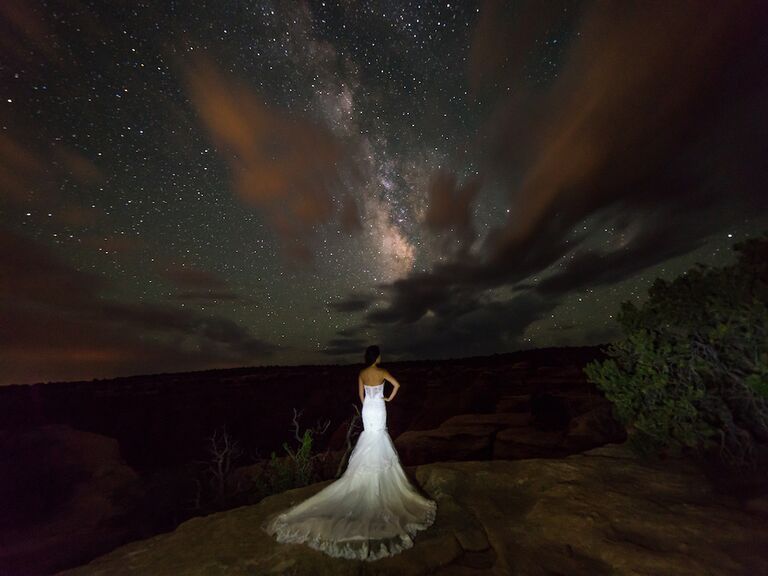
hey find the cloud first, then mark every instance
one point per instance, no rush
(505, 34)
(350, 216)
(32, 177)
(488, 327)
(644, 95)
(280, 163)
(198, 285)
(57, 324)
(78, 165)
(651, 126)
(344, 346)
(205, 296)
(449, 207)
(26, 32)
(352, 303)
(186, 277)
(127, 246)
(22, 170)
(654, 243)
(29, 31)
(80, 216)
(31, 273)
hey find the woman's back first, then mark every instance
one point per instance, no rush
(373, 375)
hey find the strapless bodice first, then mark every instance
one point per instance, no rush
(374, 392)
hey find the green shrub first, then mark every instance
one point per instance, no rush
(280, 475)
(297, 469)
(691, 371)
(299, 466)
(303, 459)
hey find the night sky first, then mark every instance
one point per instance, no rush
(199, 185)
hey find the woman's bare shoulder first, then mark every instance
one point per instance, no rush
(372, 375)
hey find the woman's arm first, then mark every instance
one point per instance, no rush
(395, 383)
(360, 390)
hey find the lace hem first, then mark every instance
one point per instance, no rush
(357, 549)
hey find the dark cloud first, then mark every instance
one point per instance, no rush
(203, 296)
(490, 326)
(112, 243)
(354, 330)
(449, 208)
(654, 243)
(56, 324)
(194, 278)
(653, 125)
(202, 286)
(30, 272)
(456, 287)
(33, 174)
(353, 303)
(34, 177)
(221, 333)
(345, 346)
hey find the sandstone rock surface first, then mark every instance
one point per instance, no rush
(597, 513)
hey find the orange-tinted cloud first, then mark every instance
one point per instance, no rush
(350, 215)
(28, 31)
(21, 170)
(24, 31)
(77, 165)
(80, 216)
(280, 163)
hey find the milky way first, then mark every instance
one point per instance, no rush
(202, 185)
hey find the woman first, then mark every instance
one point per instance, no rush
(373, 510)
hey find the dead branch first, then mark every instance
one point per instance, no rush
(354, 424)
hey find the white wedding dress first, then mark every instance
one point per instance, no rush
(372, 511)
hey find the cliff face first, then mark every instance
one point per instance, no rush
(597, 513)
(164, 420)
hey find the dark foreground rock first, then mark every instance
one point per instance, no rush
(535, 425)
(597, 513)
(66, 496)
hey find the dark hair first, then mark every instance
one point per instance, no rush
(371, 353)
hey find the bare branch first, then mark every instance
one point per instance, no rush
(354, 424)
(296, 415)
